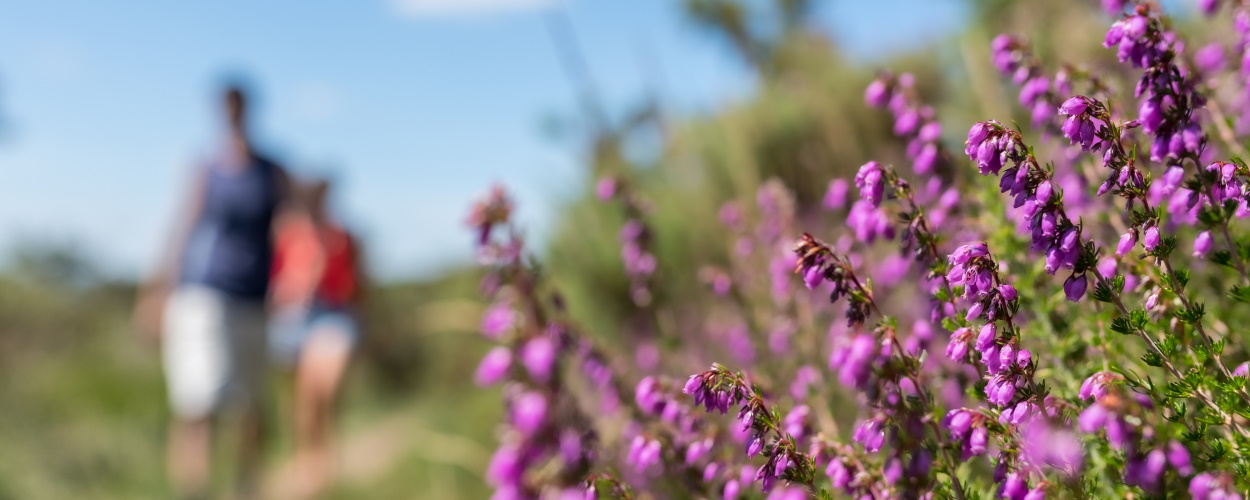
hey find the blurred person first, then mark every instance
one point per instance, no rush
(316, 293)
(207, 303)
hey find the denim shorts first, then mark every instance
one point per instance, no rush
(291, 329)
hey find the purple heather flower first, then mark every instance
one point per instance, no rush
(1002, 53)
(1096, 385)
(974, 312)
(977, 441)
(838, 474)
(1080, 127)
(926, 159)
(493, 367)
(648, 454)
(1151, 241)
(804, 378)
(1127, 242)
(986, 337)
(697, 450)
(498, 319)
(1008, 292)
(648, 398)
(539, 357)
(893, 471)
(730, 214)
(779, 335)
(528, 412)
(788, 493)
(1074, 287)
(906, 122)
(506, 466)
(1074, 106)
(870, 183)
(1013, 488)
(1202, 244)
(957, 349)
(855, 361)
(755, 445)
(1152, 300)
(959, 422)
(1209, 486)
(710, 472)
(1113, 7)
(606, 188)
(1092, 418)
(1043, 192)
(1208, 7)
(870, 434)
(869, 222)
(877, 93)
(930, 132)
(1242, 370)
(1034, 90)
(835, 196)
(796, 422)
(1150, 116)
(1210, 59)
(1178, 458)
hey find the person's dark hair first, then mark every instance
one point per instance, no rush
(236, 94)
(236, 97)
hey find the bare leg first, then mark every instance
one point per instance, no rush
(318, 376)
(190, 454)
(251, 442)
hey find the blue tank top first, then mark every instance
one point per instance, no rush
(231, 244)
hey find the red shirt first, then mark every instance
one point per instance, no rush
(317, 262)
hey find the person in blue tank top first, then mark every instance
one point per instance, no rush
(208, 303)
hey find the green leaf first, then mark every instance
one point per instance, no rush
(1139, 319)
(1169, 345)
(1121, 325)
(1102, 291)
(1221, 257)
(1240, 293)
(1193, 314)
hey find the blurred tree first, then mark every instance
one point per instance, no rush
(54, 264)
(757, 31)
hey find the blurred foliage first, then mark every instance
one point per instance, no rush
(83, 403)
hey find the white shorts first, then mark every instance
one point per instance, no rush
(214, 350)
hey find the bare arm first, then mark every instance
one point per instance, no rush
(153, 291)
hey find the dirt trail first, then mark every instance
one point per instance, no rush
(372, 450)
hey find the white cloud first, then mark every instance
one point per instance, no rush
(452, 8)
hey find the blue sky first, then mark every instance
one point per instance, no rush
(417, 105)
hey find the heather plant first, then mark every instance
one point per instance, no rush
(1059, 316)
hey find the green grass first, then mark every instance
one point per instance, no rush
(83, 410)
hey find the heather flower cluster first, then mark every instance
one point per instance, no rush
(913, 121)
(1038, 92)
(1064, 328)
(635, 237)
(993, 146)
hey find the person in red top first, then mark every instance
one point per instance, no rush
(316, 290)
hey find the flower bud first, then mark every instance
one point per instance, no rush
(493, 367)
(1202, 244)
(1151, 240)
(1074, 287)
(1127, 241)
